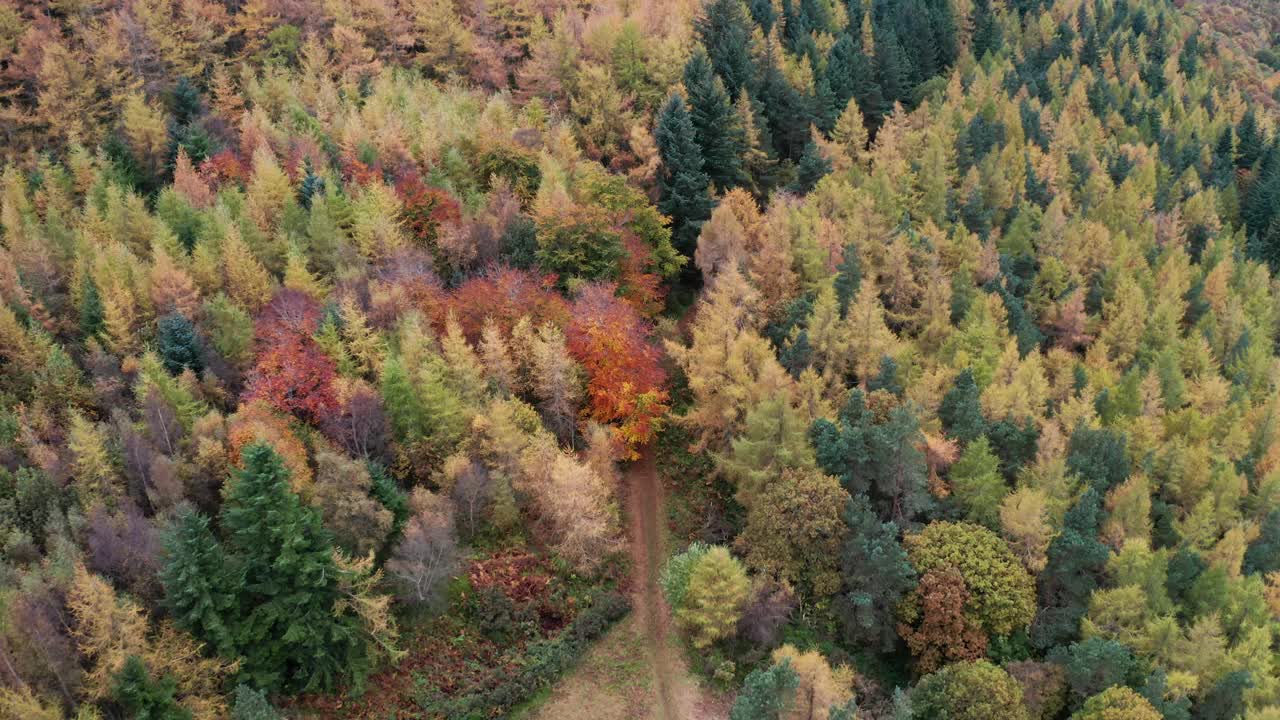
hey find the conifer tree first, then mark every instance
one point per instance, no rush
(685, 188)
(725, 31)
(178, 344)
(199, 586)
(287, 633)
(713, 601)
(877, 574)
(716, 127)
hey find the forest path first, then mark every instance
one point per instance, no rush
(644, 499)
(638, 670)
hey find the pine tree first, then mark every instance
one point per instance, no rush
(716, 127)
(877, 574)
(92, 320)
(766, 693)
(288, 635)
(199, 586)
(685, 188)
(987, 36)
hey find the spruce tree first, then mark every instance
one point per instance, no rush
(178, 344)
(811, 168)
(725, 32)
(685, 188)
(716, 127)
(961, 411)
(1250, 144)
(144, 698)
(199, 586)
(288, 635)
(987, 36)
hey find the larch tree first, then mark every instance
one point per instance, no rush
(717, 589)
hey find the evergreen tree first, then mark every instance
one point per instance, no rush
(716, 127)
(812, 168)
(877, 574)
(766, 693)
(1263, 555)
(848, 278)
(961, 409)
(1076, 560)
(1250, 143)
(685, 188)
(987, 36)
(199, 585)
(882, 458)
(288, 635)
(725, 32)
(92, 319)
(893, 71)
(178, 344)
(143, 698)
(252, 704)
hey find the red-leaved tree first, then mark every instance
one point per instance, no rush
(292, 373)
(625, 379)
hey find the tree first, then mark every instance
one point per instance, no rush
(961, 409)
(343, 494)
(1094, 665)
(977, 484)
(937, 628)
(725, 31)
(820, 687)
(252, 704)
(1117, 703)
(1002, 594)
(974, 690)
(684, 186)
(427, 554)
(877, 456)
(794, 531)
(713, 601)
(178, 344)
(625, 381)
(198, 582)
(287, 634)
(877, 574)
(774, 440)
(143, 697)
(715, 124)
(766, 693)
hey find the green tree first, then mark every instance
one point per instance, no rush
(199, 584)
(974, 690)
(144, 698)
(774, 438)
(716, 128)
(794, 531)
(961, 409)
(879, 456)
(1117, 703)
(712, 603)
(977, 485)
(1002, 594)
(674, 577)
(725, 31)
(766, 693)
(178, 344)
(251, 704)
(92, 320)
(877, 575)
(685, 187)
(288, 633)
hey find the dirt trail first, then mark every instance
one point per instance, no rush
(638, 670)
(644, 496)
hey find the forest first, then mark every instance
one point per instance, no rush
(907, 359)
